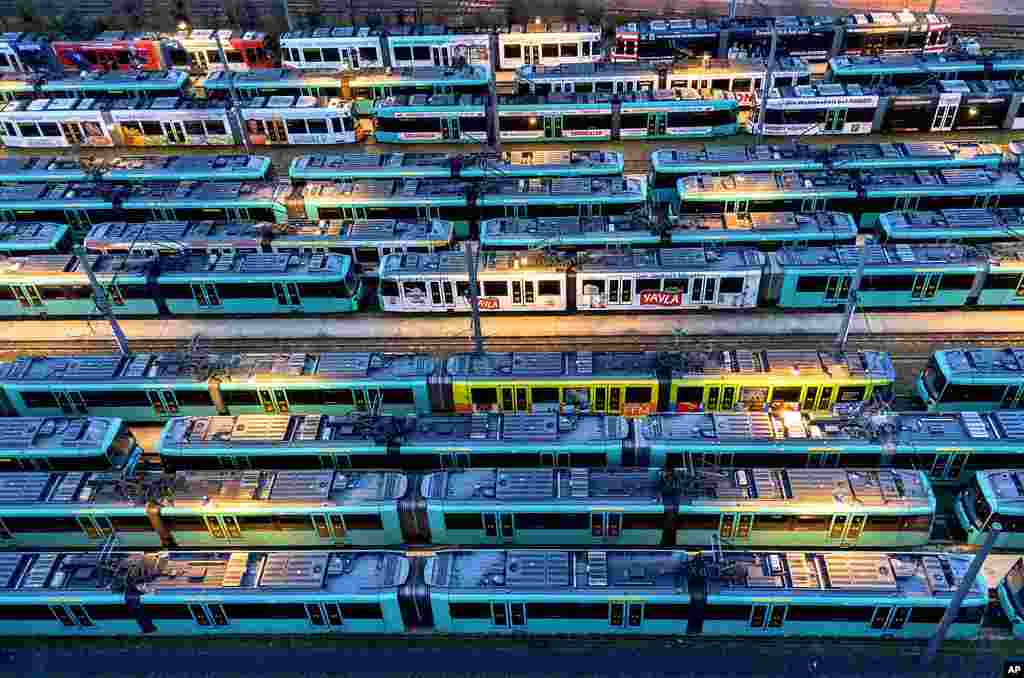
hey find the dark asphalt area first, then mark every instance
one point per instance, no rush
(478, 658)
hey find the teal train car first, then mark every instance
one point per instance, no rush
(914, 155)
(79, 205)
(1010, 594)
(749, 507)
(267, 82)
(335, 166)
(43, 168)
(912, 70)
(994, 497)
(975, 379)
(967, 226)
(797, 191)
(900, 276)
(169, 238)
(66, 444)
(544, 163)
(563, 197)
(24, 238)
(201, 200)
(757, 594)
(437, 118)
(555, 117)
(406, 199)
(766, 594)
(138, 168)
(369, 89)
(156, 387)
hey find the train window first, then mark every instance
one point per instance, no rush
(317, 126)
(336, 125)
(676, 285)
(727, 612)
(403, 53)
(151, 128)
(777, 523)
(809, 524)
(296, 126)
(397, 396)
(361, 610)
(730, 285)
(666, 611)
(38, 399)
(569, 49)
(811, 283)
(331, 54)
(49, 129)
(234, 57)
(513, 51)
(131, 524)
(787, 395)
(276, 610)
(638, 394)
(28, 129)
(415, 292)
(593, 286)
(849, 394)
(240, 397)
(495, 288)
(363, 521)
(690, 394)
(485, 396)
(973, 393)
(474, 610)
(567, 610)
(549, 51)
(388, 288)
(257, 523)
(311, 55)
(467, 521)
(551, 521)
(648, 285)
(215, 127)
(697, 522)
(586, 48)
(884, 524)
(818, 613)
(545, 395)
(643, 521)
(194, 398)
(970, 615)
(368, 54)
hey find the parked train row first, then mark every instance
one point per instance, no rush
(401, 46)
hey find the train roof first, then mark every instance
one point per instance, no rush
(67, 268)
(630, 101)
(662, 261)
(63, 106)
(431, 101)
(713, 67)
(35, 576)
(433, 30)
(104, 81)
(385, 165)
(669, 28)
(269, 77)
(872, 22)
(881, 257)
(912, 154)
(304, 489)
(767, 223)
(174, 103)
(988, 362)
(953, 180)
(454, 263)
(42, 168)
(185, 167)
(860, 364)
(542, 163)
(253, 266)
(395, 233)
(68, 194)
(421, 75)
(387, 191)
(186, 235)
(925, 63)
(163, 194)
(565, 229)
(211, 35)
(545, 29)
(584, 72)
(227, 574)
(332, 32)
(30, 235)
(70, 490)
(240, 368)
(766, 185)
(825, 90)
(550, 190)
(552, 364)
(57, 436)
(726, 158)
(485, 428)
(1005, 221)
(740, 489)
(804, 576)
(295, 102)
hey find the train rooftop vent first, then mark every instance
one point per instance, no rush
(1005, 484)
(858, 571)
(803, 571)
(535, 363)
(538, 569)
(302, 485)
(481, 426)
(967, 176)
(294, 570)
(1011, 423)
(969, 218)
(235, 569)
(256, 427)
(21, 488)
(584, 363)
(525, 484)
(720, 154)
(67, 489)
(927, 149)
(344, 364)
(940, 577)
(597, 568)
(744, 426)
(530, 427)
(263, 263)
(579, 483)
(810, 485)
(795, 362)
(9, 563)
(975, 426)
(39, 572)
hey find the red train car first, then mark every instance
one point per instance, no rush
(197, 51)
(112, 51)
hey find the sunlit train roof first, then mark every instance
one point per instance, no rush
(514, 430)
(186, 167)
(765, 223)
(303, 489)
(32, 235)
(67, 269)
(433, 101)
(881, 257)
(585, 72)
(767, 185)
(542, 163)
(966, 181)
(73, 435)
(994, 362)
(669, 260)
(568, 364)
(395, 233)
(889, 21)
(427, 75)
(161, 194)
(387, 191)
(173, 235)
(385, 165)
(732, 158)
(42, 168)
(925, 63)
(227, 266)
(556, 189)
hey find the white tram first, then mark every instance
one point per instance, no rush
(285, 120)
(54, 123)
(548, 45)
(339, 48)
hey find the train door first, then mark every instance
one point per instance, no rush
(835, 119)
(737, 206)
(737, 528)
(553, 127)
(605, 525)
(620, 292)
(1011, 395)
(949, 465)
(174, 132)
(454, 459)
(499, 526)
(71, 402)
(514, 399)
(764, 616)
(532, 54)
(440, 56)
(234, 461)
(287, 295)
(354, 56)
(451, 128)
(837, 287)
(845, 529)
(823, 459)
(945, 113)
(206, 295)
(986, 201)
(273, 400)
(906, 203)
(703, 290)
(812, 204)
(886, 618)
(657, 124)
(555, 459)
(223, 527)
(199, 61)
(72, 131)
(925, 285)
(27, 295)
(95, 527)
(164, 403)
(276, 131)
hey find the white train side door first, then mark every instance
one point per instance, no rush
(945, 112)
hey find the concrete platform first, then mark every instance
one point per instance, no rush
(936, 325)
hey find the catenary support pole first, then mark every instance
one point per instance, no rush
(102, 301)
(474, 295)
(769, 73)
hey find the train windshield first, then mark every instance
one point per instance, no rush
(123, 445)
(977, 508)
(934, 380)
(1015, 584)
(350, 284)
